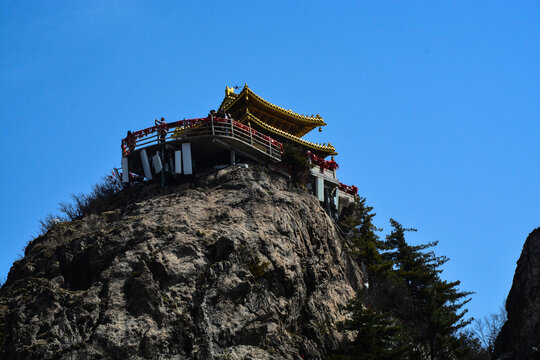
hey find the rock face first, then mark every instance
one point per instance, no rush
(236, 265)
(520, 335)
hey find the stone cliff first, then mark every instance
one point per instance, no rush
(235, 265)
(520, 336)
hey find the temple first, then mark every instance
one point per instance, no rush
(246, 129)
(285, 125)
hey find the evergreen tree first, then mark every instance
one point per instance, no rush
(378, 336)
(405, 311)
(363, 243)
(435, 315)
(295, 160)
(467, 346)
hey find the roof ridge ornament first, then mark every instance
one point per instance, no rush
(229, 90)
(282, 118)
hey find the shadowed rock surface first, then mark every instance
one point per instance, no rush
(237, 265)
(520, 336)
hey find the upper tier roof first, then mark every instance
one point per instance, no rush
(277, 117)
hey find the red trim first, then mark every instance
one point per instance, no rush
(353, 190)
(136, 135)
(128, 143)
(324, 164)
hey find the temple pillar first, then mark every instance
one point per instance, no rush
(146, 165)
(186, 158)
(125, 170)
(156, 161)
(178, 162)
(319, 188)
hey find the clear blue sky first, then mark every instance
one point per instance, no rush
(433, 106)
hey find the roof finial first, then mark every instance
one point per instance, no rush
(229, 90)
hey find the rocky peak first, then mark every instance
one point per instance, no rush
(236, 265)
(520, 335)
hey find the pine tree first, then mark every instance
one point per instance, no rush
(378, 336)
(363, 243)
(296, 162)
(435, 314)
(405, 311)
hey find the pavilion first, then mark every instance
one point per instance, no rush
(245, 129)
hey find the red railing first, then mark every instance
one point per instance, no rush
(131, 141)
(332, 165)
(209, 126)
(214, 126)
(323, 164)
(352, 190)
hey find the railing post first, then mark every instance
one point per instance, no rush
(250, 134)
(212, 124)
(232, 128)
(270, 146)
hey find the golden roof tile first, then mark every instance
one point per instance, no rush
(326, 149)
(231, 99)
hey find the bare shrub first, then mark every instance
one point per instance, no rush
(98, 200)
(69, 210)
(488, 328)
(48, 222)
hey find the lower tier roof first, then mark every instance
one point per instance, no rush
(320, 149)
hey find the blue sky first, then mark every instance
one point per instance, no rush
(433, 106)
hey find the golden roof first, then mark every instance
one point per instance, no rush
(277, 117)
(320, 149)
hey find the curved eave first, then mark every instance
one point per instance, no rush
(227, 101)
(304, 120)
(325, 149)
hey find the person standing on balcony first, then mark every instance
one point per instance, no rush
(130, 140)
(162, 129)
